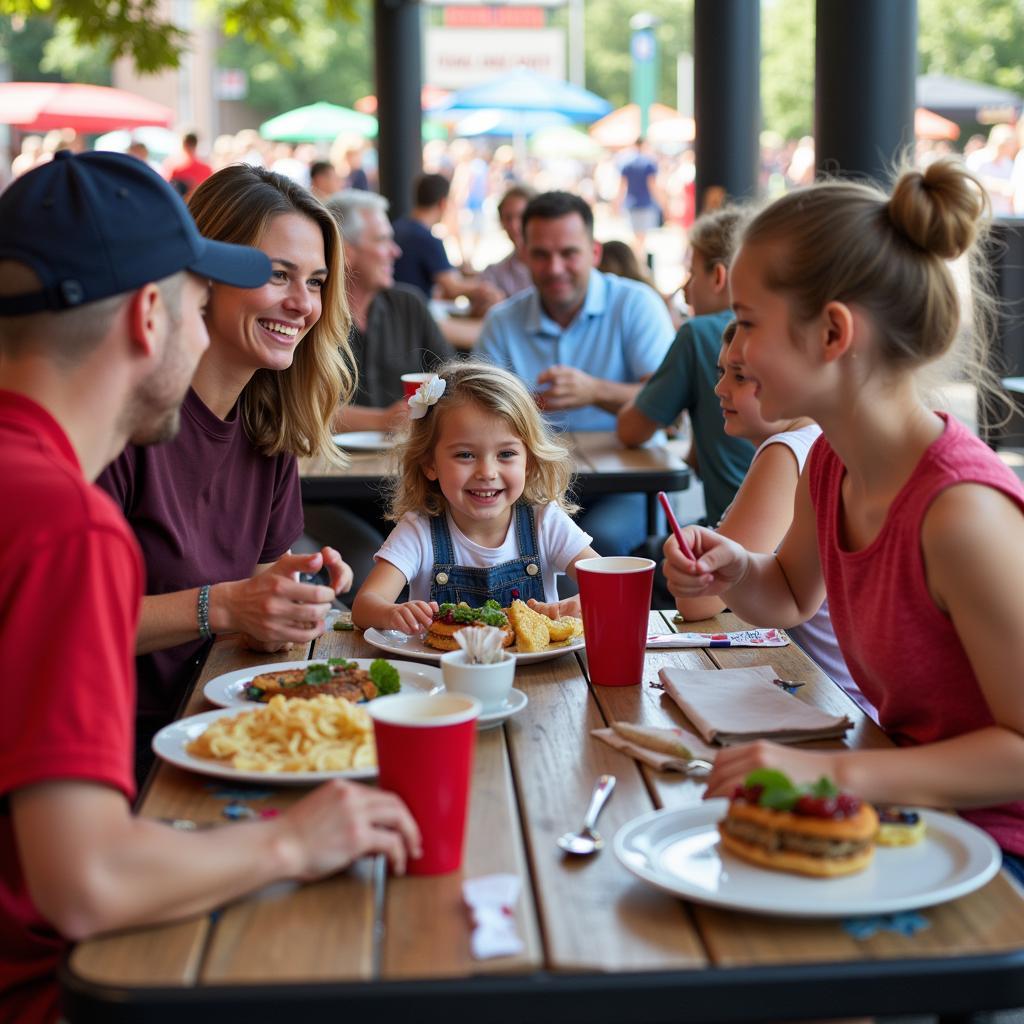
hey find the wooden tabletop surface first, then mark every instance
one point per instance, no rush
(586, 922)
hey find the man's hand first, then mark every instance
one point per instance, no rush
(565, 387)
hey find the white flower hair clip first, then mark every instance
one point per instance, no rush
(425, 396)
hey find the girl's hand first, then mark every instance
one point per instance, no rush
(412, 617)
(272, 608)
(721, 564)
(556, 609)
(734, 764)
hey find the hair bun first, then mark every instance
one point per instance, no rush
(938, 209)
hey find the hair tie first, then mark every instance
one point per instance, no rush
(425, 396)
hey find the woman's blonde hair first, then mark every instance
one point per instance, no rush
(286, 410)
(841, 241)
(548, 462)
(716, 235)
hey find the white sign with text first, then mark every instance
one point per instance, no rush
(457, 57)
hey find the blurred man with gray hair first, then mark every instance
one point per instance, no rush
(392, 329)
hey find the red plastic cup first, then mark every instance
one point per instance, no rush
(425, 755)
(412, 381)
(616, 597)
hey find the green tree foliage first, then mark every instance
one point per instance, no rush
(137, 27)
(787, 66)
(982, 40)
(325, 59)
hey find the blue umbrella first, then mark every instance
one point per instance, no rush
(524, 90)
(507, 122)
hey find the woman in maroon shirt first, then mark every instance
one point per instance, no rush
(217, 509)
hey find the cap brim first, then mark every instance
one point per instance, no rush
(237, 265)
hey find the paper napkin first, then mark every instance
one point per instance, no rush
(729, 706)
(492, 901)
(664, 749)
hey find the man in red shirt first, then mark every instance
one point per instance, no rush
(185, 171)
(103, 280)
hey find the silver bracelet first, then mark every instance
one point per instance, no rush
(203, 612)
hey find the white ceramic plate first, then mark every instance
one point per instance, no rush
(170, 743)
(393, 642)
(365, 441)
(678, 851)
(514, 703)
(228, 690)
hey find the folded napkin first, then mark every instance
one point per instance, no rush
(668, 750)
(741, 638)
(492, 900)
(737, 705)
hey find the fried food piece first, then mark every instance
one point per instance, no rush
(565, 628)
(531, 628)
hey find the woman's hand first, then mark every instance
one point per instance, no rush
(272, 608)
(734, 764)
(342, 821)
(412, 617)
(341, 571)
(720, 564)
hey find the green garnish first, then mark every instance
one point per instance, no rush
(779, 793)
(341, 662)
(318, 674)
(342, 626)
(384, 676)
(490, 614)
(254, 693)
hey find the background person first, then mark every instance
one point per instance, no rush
(685, 380)
(97, 351)
(510, 275)
(217, 510)
(423, 263)
(583, 340)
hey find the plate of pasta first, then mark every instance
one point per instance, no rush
(285, 742)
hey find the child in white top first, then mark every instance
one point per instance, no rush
(480, 503)
(761, 513)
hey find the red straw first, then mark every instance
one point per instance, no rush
(674, 523)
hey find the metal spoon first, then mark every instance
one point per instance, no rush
(699, 767)
(587, 840)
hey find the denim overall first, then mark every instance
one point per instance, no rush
(518, 578)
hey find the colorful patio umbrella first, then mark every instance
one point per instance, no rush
(621, 127)
(524, 90)
(42, 106)
(159, 141)
(564, 142)
(319, 122)
(508, 123)
(929, 125)
(430, 95)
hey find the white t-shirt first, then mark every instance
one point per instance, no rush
(411, 551)
(815, 635)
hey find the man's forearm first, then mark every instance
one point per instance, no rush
(612, 395)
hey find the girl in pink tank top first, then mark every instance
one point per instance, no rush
(911, 526)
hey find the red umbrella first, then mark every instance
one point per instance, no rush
(929, 125)
(40, 106)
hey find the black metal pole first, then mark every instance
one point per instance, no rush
(865, 74)
(726, 98)
(399, 79)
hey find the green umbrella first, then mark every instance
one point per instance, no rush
(319, 122)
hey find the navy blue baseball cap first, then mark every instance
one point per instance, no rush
(95, 225)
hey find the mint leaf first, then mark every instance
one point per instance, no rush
(824, 787)
(778, 798)
(770, 778)
(341, 663)
(384, 676)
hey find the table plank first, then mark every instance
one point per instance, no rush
(595, 917)
(270, 936)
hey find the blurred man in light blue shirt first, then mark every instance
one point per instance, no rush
(583, 340)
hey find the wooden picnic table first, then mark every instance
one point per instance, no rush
(603, 466)
(599, 944)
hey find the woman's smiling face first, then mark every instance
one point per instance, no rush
(263, 326)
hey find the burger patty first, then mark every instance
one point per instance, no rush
(780, 839)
